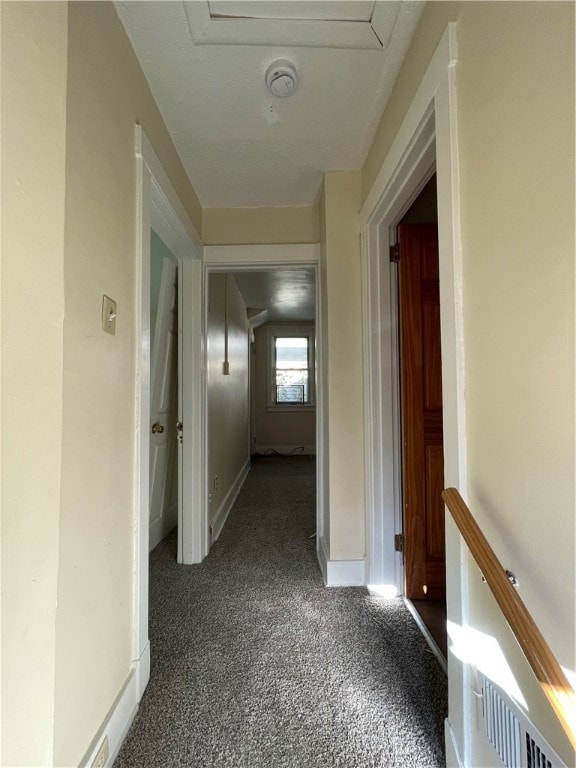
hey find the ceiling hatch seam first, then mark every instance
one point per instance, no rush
(209, 28)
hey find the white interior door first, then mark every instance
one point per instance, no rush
(164, 436)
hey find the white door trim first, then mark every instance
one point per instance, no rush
(267, 256)
(158, 207)
(428, 136)
(258, 258)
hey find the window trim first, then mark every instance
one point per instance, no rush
(290, 331)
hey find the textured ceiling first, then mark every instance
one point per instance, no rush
(287, 295)
(241, 146)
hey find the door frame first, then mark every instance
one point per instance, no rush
(158, 206)
(426, 141)
(269, 258)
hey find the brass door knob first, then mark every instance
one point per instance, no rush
(157, 428)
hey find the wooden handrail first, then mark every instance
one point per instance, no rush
(548, 671)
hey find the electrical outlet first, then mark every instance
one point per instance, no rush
(102, 755)
(215, 482)
(209, 498)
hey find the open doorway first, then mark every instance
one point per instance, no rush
(420, 369)
(280, 297)
(426, 141)
(283, 390)
(171, 459)
(248, 314)
(165, 403)
(281, 311)
(261, 384)
(159, 209)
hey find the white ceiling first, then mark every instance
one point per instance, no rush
(241, 146)
(287, 295)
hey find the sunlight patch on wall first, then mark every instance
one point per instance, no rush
(483, 652)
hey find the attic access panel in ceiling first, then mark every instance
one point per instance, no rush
(314, 10)
(357, 24)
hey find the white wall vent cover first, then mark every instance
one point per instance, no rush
(518, 743)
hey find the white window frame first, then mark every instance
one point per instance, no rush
(307, 330)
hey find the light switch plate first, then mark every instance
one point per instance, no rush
(109, 315)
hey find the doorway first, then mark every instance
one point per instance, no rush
(427, 140)
(165, 399)
(275, 268)
(420, 371)
(247, 415)
(420, 368)
(158, 208)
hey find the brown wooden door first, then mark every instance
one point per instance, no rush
(421, 395)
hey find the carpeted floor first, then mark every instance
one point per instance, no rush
(255, 664)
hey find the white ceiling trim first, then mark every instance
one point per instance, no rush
(361, 35)
(262, 256)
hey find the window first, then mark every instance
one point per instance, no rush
(292, 370)
(291, 381)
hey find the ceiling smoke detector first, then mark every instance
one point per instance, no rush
(281, 78)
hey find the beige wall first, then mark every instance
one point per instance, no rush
(238, 226)
(71, 94)
(33, 106)
(65, 536)
(228, 425)
(278, 428)
(433, 21)
(344, 407)
(518, 240)
(517, 63)
(95, 584)
(515, 103)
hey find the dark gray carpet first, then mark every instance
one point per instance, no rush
(256, 664)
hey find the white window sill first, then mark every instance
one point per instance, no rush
(286, 408)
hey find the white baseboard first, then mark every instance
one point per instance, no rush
(452, 751)
(121, 713)
(142, 670)
(224, 509)
(322, 555)
(340, 573)
(292, 450)
(345, 573)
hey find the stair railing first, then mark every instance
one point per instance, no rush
(545, 665)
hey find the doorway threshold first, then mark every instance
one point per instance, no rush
(430, 615)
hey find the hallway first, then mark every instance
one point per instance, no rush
(256, 663)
